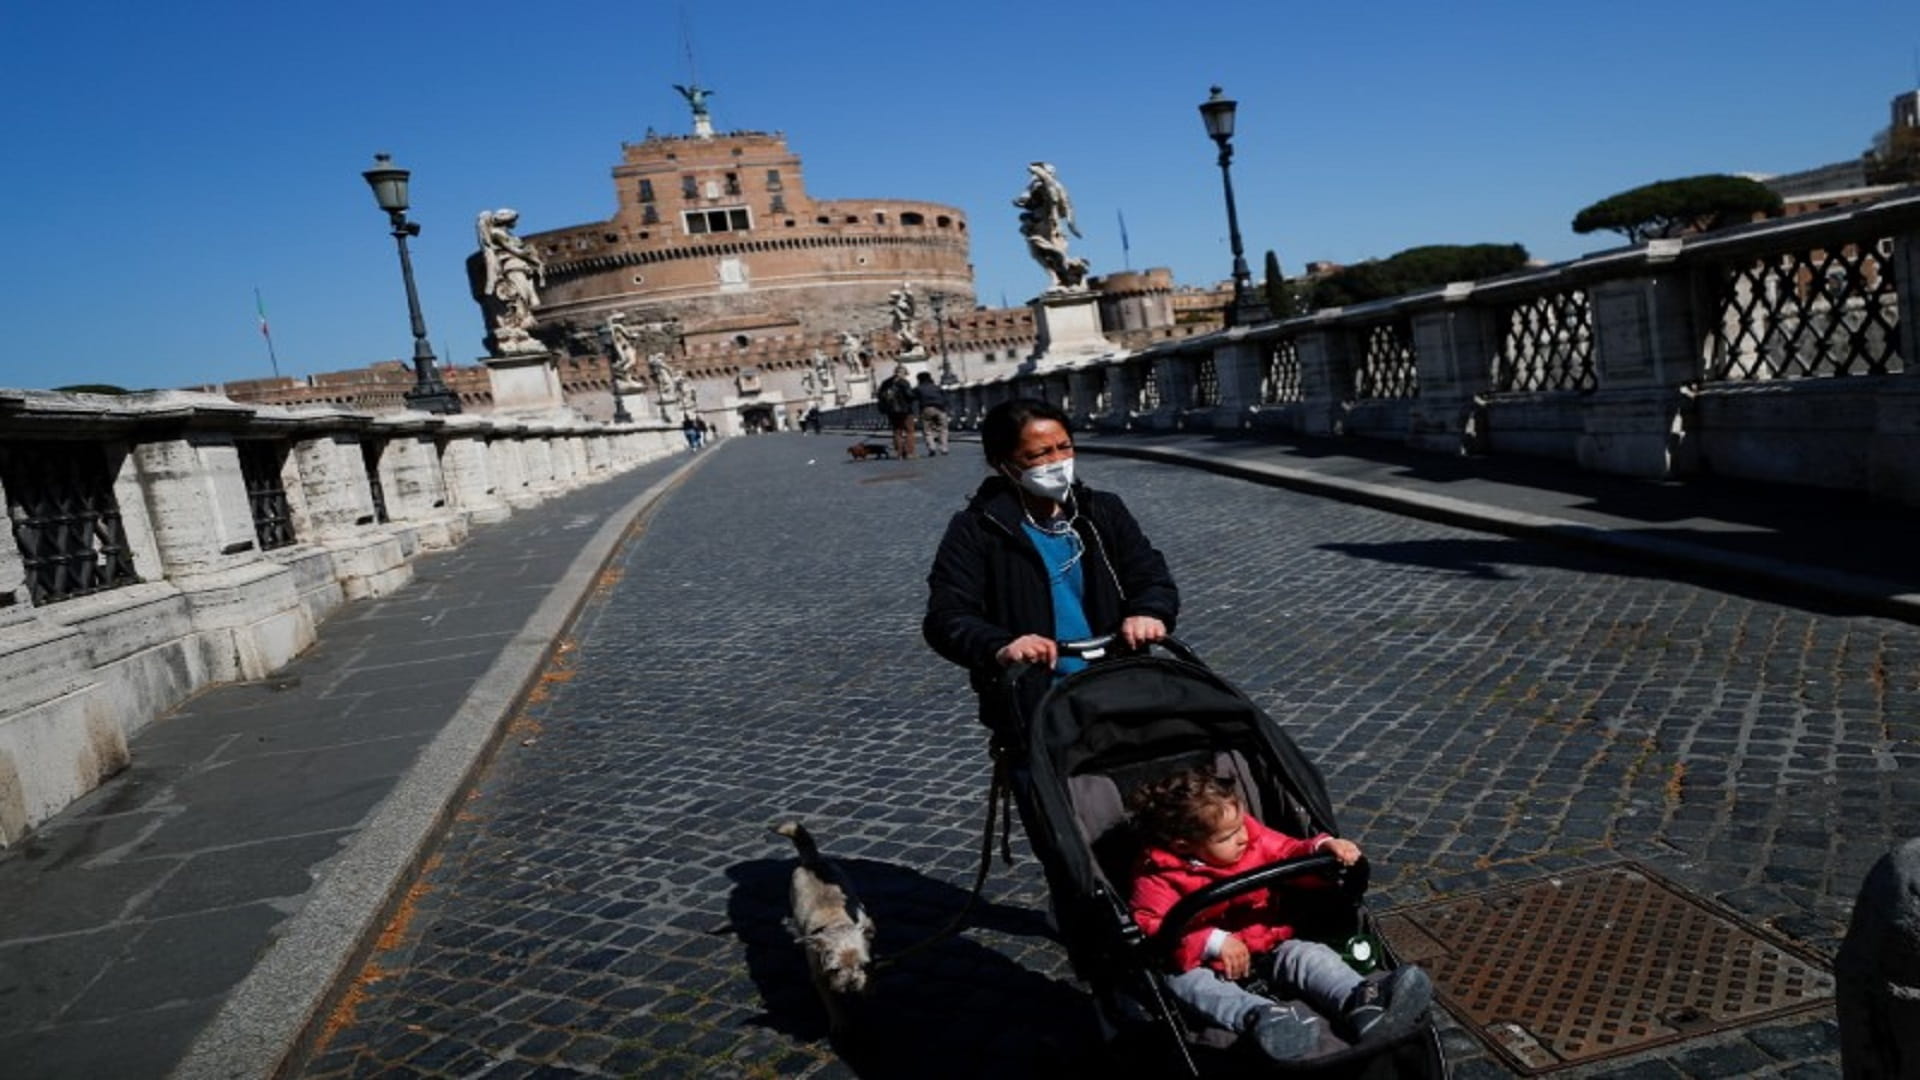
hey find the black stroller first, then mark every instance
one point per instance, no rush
(1098, 733)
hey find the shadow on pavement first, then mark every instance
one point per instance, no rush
(956, 1008)
(1492, 560)
(1836, 528)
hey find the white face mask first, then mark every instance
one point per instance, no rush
(1050, 481)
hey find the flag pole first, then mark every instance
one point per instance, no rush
(261, 307)
(1126, 252)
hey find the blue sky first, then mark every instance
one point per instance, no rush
(164, 160)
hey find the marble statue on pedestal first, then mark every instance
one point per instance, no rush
(667, 381)
(626, 354)
(1046, 216)
(850, 353)
(822, 372)
(513, 273)
(904, 312)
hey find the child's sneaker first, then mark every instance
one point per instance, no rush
(1388, 1008)
(1282, 1033)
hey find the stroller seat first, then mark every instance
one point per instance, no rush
(1094, 737)
(1099, 804)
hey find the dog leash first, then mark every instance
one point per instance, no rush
(999, 794)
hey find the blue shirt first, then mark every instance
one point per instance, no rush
(1062, 554)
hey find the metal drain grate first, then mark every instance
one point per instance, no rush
(1596, 963)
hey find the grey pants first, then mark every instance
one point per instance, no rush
(934, 423)
(1308, 969)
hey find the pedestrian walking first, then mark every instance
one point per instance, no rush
(691, 432)
(897, 405)
(704, 431)
(932, 400)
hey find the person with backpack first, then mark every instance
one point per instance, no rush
(897, 405)
(932, 400)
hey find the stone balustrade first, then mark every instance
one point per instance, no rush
(163, 542)
(1783, 351)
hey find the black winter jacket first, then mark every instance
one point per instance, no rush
(988, 585)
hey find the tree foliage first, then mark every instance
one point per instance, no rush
(1672, 207)
(1899, 161)
(91, 388)
(1415, 269)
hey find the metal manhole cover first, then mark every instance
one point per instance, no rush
(1600, 962)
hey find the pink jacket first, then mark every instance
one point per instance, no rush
(1161, 878)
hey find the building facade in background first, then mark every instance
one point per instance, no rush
(716, 233)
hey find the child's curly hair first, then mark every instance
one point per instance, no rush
(1180, 806)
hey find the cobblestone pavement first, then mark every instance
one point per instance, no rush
(1485, 711)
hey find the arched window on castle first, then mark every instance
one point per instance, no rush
(908, 217)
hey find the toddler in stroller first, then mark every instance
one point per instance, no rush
(1196, 833)
(1096, 744)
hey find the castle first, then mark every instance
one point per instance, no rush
(716, 234)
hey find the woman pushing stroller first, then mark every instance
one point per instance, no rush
(1038, 558)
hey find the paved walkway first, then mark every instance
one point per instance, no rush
(1488, 711)
(262, 825)
(1836, 551)
(607, 901)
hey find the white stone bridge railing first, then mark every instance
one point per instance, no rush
(1784, 351)
(164, 542)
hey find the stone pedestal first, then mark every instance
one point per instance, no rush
(468, 469)
(526, 384)
(58, 734)
(416, 488)
(1893, 465)
(1067, 326)
(1638, 421)
(1175, 385)
(1083, 386)
(1122, 387)
(1238, 367)
(338, 516)
(507, 459)
(1326, 381)
(1455, 347)
(1877, 971)
(859, 389)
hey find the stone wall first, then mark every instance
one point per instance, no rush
(1783, 351)
(163, 542)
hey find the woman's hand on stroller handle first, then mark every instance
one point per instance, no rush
(1028, 649)
(1139, 631)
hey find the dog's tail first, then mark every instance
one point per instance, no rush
(802, 840)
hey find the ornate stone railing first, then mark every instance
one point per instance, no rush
(167, 541)
(1779, 351)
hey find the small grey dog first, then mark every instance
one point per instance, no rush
(831, 924)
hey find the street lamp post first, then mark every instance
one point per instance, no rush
(938, 301)
(1217, 113)
(389, 184)
(605, 333)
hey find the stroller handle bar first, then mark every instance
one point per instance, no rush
(1260, 877)
(1097, 648)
